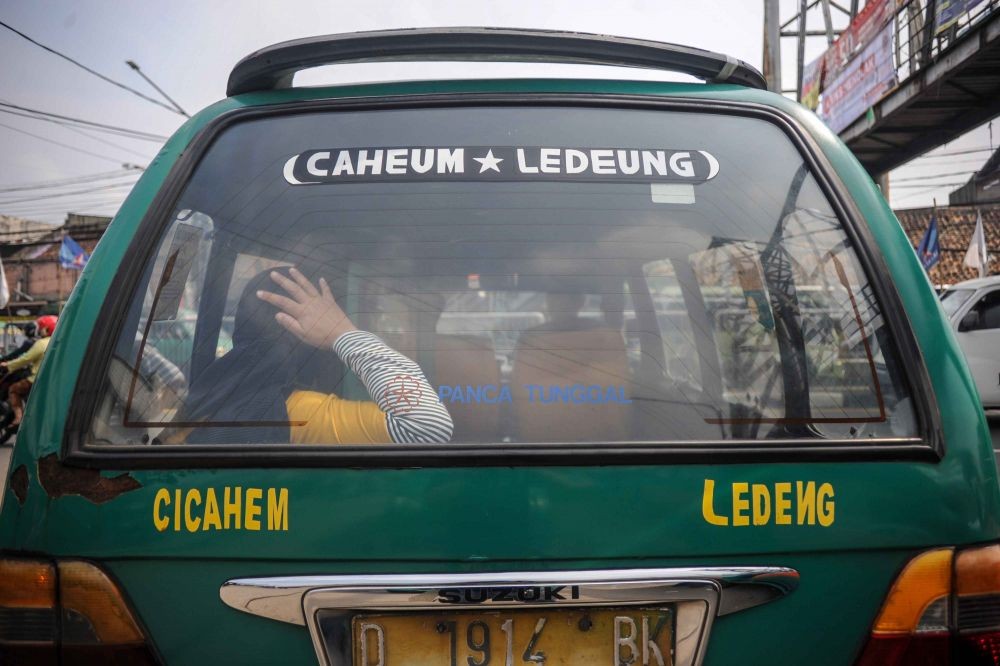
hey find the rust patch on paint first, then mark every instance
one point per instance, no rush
(59, 480)
(19, 484)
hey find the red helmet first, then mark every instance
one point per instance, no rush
(46, 324)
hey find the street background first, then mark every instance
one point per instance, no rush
(189, 50)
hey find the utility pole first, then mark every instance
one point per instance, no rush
(801, 61)
(772, 45)
(883, 184)
(827, 21)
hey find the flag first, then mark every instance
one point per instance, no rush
(976, 256)
(929, 249)
(71, 255)
(4, 289)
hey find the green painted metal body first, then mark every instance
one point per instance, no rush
(345, 521)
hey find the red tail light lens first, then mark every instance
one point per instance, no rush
(977, 588)
(944, 608)
(66, 612)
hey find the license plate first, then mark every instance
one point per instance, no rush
(544, 637)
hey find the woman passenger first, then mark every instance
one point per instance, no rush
(259, 380)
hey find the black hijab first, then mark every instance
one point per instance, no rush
(252, 381)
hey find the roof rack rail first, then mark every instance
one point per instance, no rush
(274, 66)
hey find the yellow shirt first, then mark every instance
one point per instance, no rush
(328, 419)
(32, 357)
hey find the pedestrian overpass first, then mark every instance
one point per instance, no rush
(948, 83)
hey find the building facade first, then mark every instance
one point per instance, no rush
(37, 282)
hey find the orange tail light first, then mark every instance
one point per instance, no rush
(66, 612)
(944, 608)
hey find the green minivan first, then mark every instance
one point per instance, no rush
(497, 372)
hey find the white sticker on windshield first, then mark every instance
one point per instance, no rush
(672, 193)
(500, 163)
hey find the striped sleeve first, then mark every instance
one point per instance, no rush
(413, 412)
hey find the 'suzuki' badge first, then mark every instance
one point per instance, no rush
(500, 163)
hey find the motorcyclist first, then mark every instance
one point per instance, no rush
(10, 378)
(31, 359)
(30, 333)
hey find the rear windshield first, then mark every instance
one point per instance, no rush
(502, 275)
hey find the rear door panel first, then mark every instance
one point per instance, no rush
(502, 519)
(519, 514)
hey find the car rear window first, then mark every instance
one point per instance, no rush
(529, 275)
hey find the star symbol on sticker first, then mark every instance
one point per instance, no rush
(489, 162)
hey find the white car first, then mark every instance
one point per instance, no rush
(973, 308)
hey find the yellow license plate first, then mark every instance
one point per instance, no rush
(544, 637)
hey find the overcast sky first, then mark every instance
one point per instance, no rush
(189, 47)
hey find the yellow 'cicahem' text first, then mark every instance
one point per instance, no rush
(749, 504)
(228, 508)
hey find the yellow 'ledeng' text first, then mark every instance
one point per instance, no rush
(746, 504)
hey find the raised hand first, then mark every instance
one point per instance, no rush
(308, 312)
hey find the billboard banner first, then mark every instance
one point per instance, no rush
(946, 12)
(861, 83)
(861, 31)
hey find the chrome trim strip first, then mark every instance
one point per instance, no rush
(700, 594)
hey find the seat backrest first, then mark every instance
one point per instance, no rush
(467, 366)
(571, 386)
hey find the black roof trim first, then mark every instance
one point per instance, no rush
(274, 66)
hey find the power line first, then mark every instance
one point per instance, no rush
(38, 208)
(57, 195)
(23, 206)
(935, 185)
(63, 212)
(49, 202)
(92, 198)
(957, 161)
(98, 139)
(62, 123)
(50, 209)
(955, 152)
(918, 193)
(63, 182)
(52, 117)
(88, 69)
(64, 145)
(937, 175)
